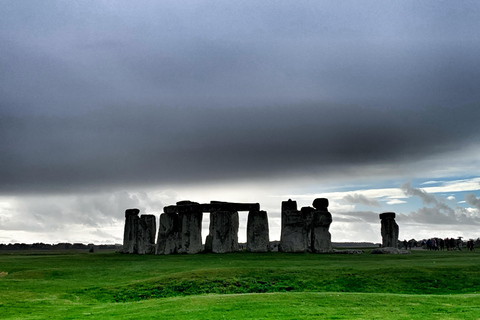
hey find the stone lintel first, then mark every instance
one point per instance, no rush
(387, 215)
(131, 212)
(185, 206)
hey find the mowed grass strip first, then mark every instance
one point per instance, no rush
(267, 306)
(33, 285)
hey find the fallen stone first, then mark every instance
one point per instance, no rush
(389, 250)
(348, 251)
(257, 232)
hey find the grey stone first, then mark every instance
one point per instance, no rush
(257, 232)
(348, 251)
(146, 234)
(294, 233)
(389, 230)
(130, 231)
(208, 243)
(189, 206)
(321, 237)
(168, 239)
(190, 232)
(387, 215)
(224, 231)
(320, 204)
(389, 250)
(308, 215)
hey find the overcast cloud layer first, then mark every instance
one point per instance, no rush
(116, 98)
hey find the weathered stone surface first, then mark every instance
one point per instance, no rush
(190, 232)
(130, 231)
(308, 215)
(257, 232)
(146, 234)
(224, 231)
(208, 243)
(320, 204)
(294, 234)
(348, 251)
(321, 237)
(387, 215)
(189, 206)
(168, 234)
(389, 230)
(389, 250)
(131, 212)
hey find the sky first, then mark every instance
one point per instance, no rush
(110, 105)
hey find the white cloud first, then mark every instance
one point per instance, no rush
(395, 201)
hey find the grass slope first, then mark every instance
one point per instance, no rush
(274, 285)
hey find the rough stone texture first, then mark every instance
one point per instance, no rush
(387, 215)
(320, 204)
(294, 234)
(389, 250)
(389, 230)
(168, 234)
(321, 237)
(189, 206)
(146, 234)
(130, 231)
(257, 232)
(348, 251)
(224, 231)
(208, 243)
(308, 214)
(190, 232)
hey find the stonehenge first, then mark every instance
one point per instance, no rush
(389, 230)
(180, 229)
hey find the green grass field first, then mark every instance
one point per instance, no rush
(423, 285)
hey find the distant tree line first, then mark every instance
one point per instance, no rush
(59, 246)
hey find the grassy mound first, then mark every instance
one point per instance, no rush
(38, 286)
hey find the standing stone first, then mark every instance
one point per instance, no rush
(257, 232)
(389, 230)
(208, 243)
(130, 231)
(224, 231)
(321, 237)
(294, 234)
(146, 234)
(190, 232)
(308, 215)
(168, 234)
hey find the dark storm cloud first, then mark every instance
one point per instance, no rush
(152, 145)
(96, 94)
